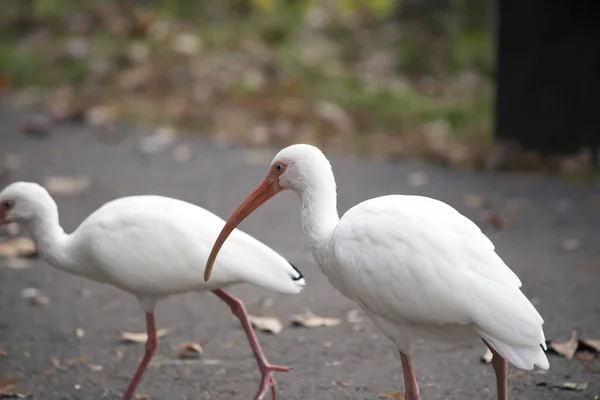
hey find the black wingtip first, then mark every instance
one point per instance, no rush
(300, 276)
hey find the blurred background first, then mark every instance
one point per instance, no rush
(191, 99)
(381, 78)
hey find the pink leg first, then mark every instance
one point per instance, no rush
(266, 370)
(411, 389)
(151, 346)
(501, 368)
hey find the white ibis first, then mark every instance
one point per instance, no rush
(416, 266)
(152, 247)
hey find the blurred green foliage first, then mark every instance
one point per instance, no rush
(433, 59)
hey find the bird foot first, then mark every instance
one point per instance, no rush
(267, 380)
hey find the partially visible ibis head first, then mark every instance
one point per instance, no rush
(301, 167)
(23, 202)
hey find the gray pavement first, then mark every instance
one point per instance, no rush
(329, 363)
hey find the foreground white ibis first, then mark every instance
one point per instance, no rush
(417, 267)
(152, 247)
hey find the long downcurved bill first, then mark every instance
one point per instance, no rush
(268, 188)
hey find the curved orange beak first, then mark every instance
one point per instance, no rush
(268, 188)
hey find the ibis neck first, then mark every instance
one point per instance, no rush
(319, 217)
(52, 243)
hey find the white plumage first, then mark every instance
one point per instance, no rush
(152, 247)
(417, 267)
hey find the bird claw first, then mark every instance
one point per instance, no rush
(267, 380)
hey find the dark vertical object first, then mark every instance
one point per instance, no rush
(548, 74)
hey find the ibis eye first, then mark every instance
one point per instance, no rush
(8, 205)
(279, 168)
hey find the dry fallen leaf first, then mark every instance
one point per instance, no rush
(191, 351)
(494, 220)
(16, 263)
(3, 353)
(96, 367)
(228, 345)
(577, 387)
(18, 247)
(474, 201)
(45, 372)
(142, 337)
(14, 395)
(8, 384)
(310, 320)
(566, 349)
(183, 153)
(101, 114)
(266, 324)
(354, 316)
(39, 125)
(77, 360)
(344, 383)
(592, 343)
(391, 396)
(141, 396)
(570, 244)
(35, 297)
(67, 186)
(55, 362)
(417, 179)
(157, 142)
(582, 349)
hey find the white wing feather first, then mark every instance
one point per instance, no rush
(137, 242)
(414, 260)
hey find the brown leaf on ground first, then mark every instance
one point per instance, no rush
(191, 351)
(6, 84)
(391, 396)
(3, 353)
(45, 372)
(157, 142)
(67, 186)
(474, 201)
(14, 395)
(494, 219)
(566, 349)
(183, 153)
(18, 247)
(77, 360)
(96, 367)
(142, 337)
(35, 297)
(582, 349)
(576, 387)
(55, 362)
(266, 324)
(8, 384)
(570, 244)
(417, 179)
(39, 125)
(355, 317)
(310, 320)
(344, 383)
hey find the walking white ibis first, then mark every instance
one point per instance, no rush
(152, 247)
(416, 266)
